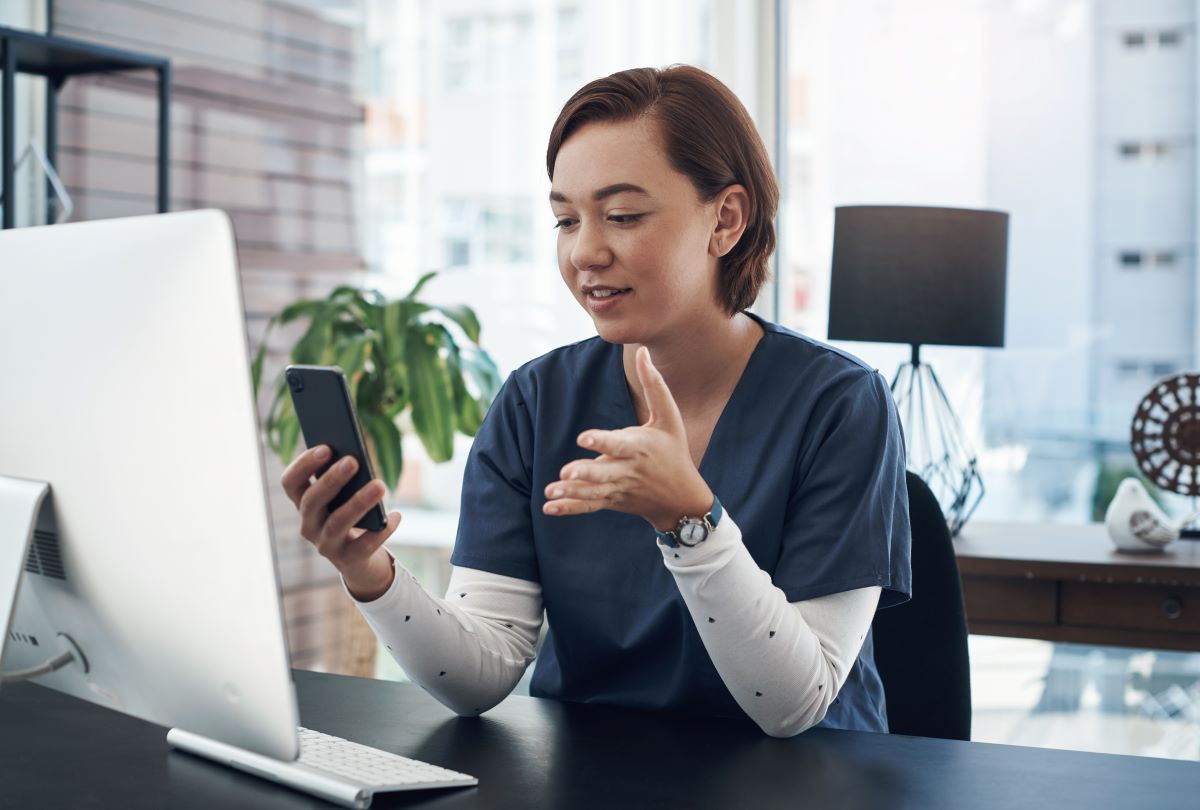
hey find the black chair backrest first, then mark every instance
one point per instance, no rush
(921, 645)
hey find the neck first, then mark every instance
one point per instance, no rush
(694, 362)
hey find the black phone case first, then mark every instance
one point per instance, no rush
(322, 402)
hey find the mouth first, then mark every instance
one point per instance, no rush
(602, 295)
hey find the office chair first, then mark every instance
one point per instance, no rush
(921, 646)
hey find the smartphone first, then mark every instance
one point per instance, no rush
(326, 413)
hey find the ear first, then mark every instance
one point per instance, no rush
(732, 207)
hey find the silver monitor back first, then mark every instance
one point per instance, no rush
(126, 385)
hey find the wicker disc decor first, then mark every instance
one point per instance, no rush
(1166, 434)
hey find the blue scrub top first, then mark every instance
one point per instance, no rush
(808, 460)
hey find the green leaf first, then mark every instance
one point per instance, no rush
(344, 294)
(421, 282)
(396, 315)
(430, 390)
(289, 433)
(466, 406)
(256, 368)
(389, 451)
(399, 319)
(283, 428)
(271, 427)
(478, 366)
(312, 346)
(299, 308)
(465, 317)
(349, 356)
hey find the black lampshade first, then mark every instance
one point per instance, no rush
(910, 274)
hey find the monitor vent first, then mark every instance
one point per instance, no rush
(44, 556)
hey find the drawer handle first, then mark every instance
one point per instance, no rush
(1173, 607)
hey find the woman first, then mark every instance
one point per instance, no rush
(708, 507)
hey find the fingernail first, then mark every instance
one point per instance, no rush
(321, 453)
(557, 493)
(347, 464)
(588, 441)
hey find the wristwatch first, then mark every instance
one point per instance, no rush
(692, 531)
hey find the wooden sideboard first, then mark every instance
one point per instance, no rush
(1068, 583)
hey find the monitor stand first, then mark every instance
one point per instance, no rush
(25, 509)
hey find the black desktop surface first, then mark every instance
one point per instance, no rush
(59, 752)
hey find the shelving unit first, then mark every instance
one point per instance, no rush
(57, 59)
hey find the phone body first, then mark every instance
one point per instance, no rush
(322, 401)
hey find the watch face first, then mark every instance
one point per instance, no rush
(692, 533)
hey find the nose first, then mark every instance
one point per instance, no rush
(589, 249)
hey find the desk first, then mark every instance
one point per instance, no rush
(1069, 583)
(57, 751)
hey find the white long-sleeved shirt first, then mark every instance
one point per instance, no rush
(784, 663)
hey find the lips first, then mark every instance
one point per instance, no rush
(599, 293)
(604, 299)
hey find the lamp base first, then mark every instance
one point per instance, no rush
(937, 448)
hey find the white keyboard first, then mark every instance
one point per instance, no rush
(333, 768)
(371, 767)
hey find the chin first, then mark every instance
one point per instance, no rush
(617, 332)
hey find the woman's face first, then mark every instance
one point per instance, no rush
(628, 221)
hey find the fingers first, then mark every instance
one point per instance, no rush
(602, 470)
(618, 443)
(342, 519)
(357, 548)
(663, 410)
(295, 478)
(573, 497)
(314, 503)
(574, 506)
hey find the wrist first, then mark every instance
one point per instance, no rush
(374, 579)
(696, 506)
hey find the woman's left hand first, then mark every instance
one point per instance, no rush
(645, 470)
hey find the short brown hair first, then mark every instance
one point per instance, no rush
(709, 137)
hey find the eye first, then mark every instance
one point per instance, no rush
(625, 219)
(564, 223)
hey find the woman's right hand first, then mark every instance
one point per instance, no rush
(357, 554)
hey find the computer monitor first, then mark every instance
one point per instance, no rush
(126, 387)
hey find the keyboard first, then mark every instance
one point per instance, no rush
(335, 769)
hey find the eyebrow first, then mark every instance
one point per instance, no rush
(607, 191)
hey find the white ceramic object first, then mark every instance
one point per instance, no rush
(1136, 523)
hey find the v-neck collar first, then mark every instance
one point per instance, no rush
(622, 402)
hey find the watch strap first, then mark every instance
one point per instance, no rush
(712, 518)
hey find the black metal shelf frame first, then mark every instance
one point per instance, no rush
(57, 59)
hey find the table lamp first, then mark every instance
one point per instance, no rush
(918, 275)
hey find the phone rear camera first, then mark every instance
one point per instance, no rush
(295, 381)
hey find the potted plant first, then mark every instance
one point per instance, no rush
(396, 355)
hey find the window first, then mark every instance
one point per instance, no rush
(1017, 105)
(456, 140)
(569, 42)
(1131, 258)
(458, 253)
(1129, 368)
(1170, 39)
(947, 104)
(461, 61)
